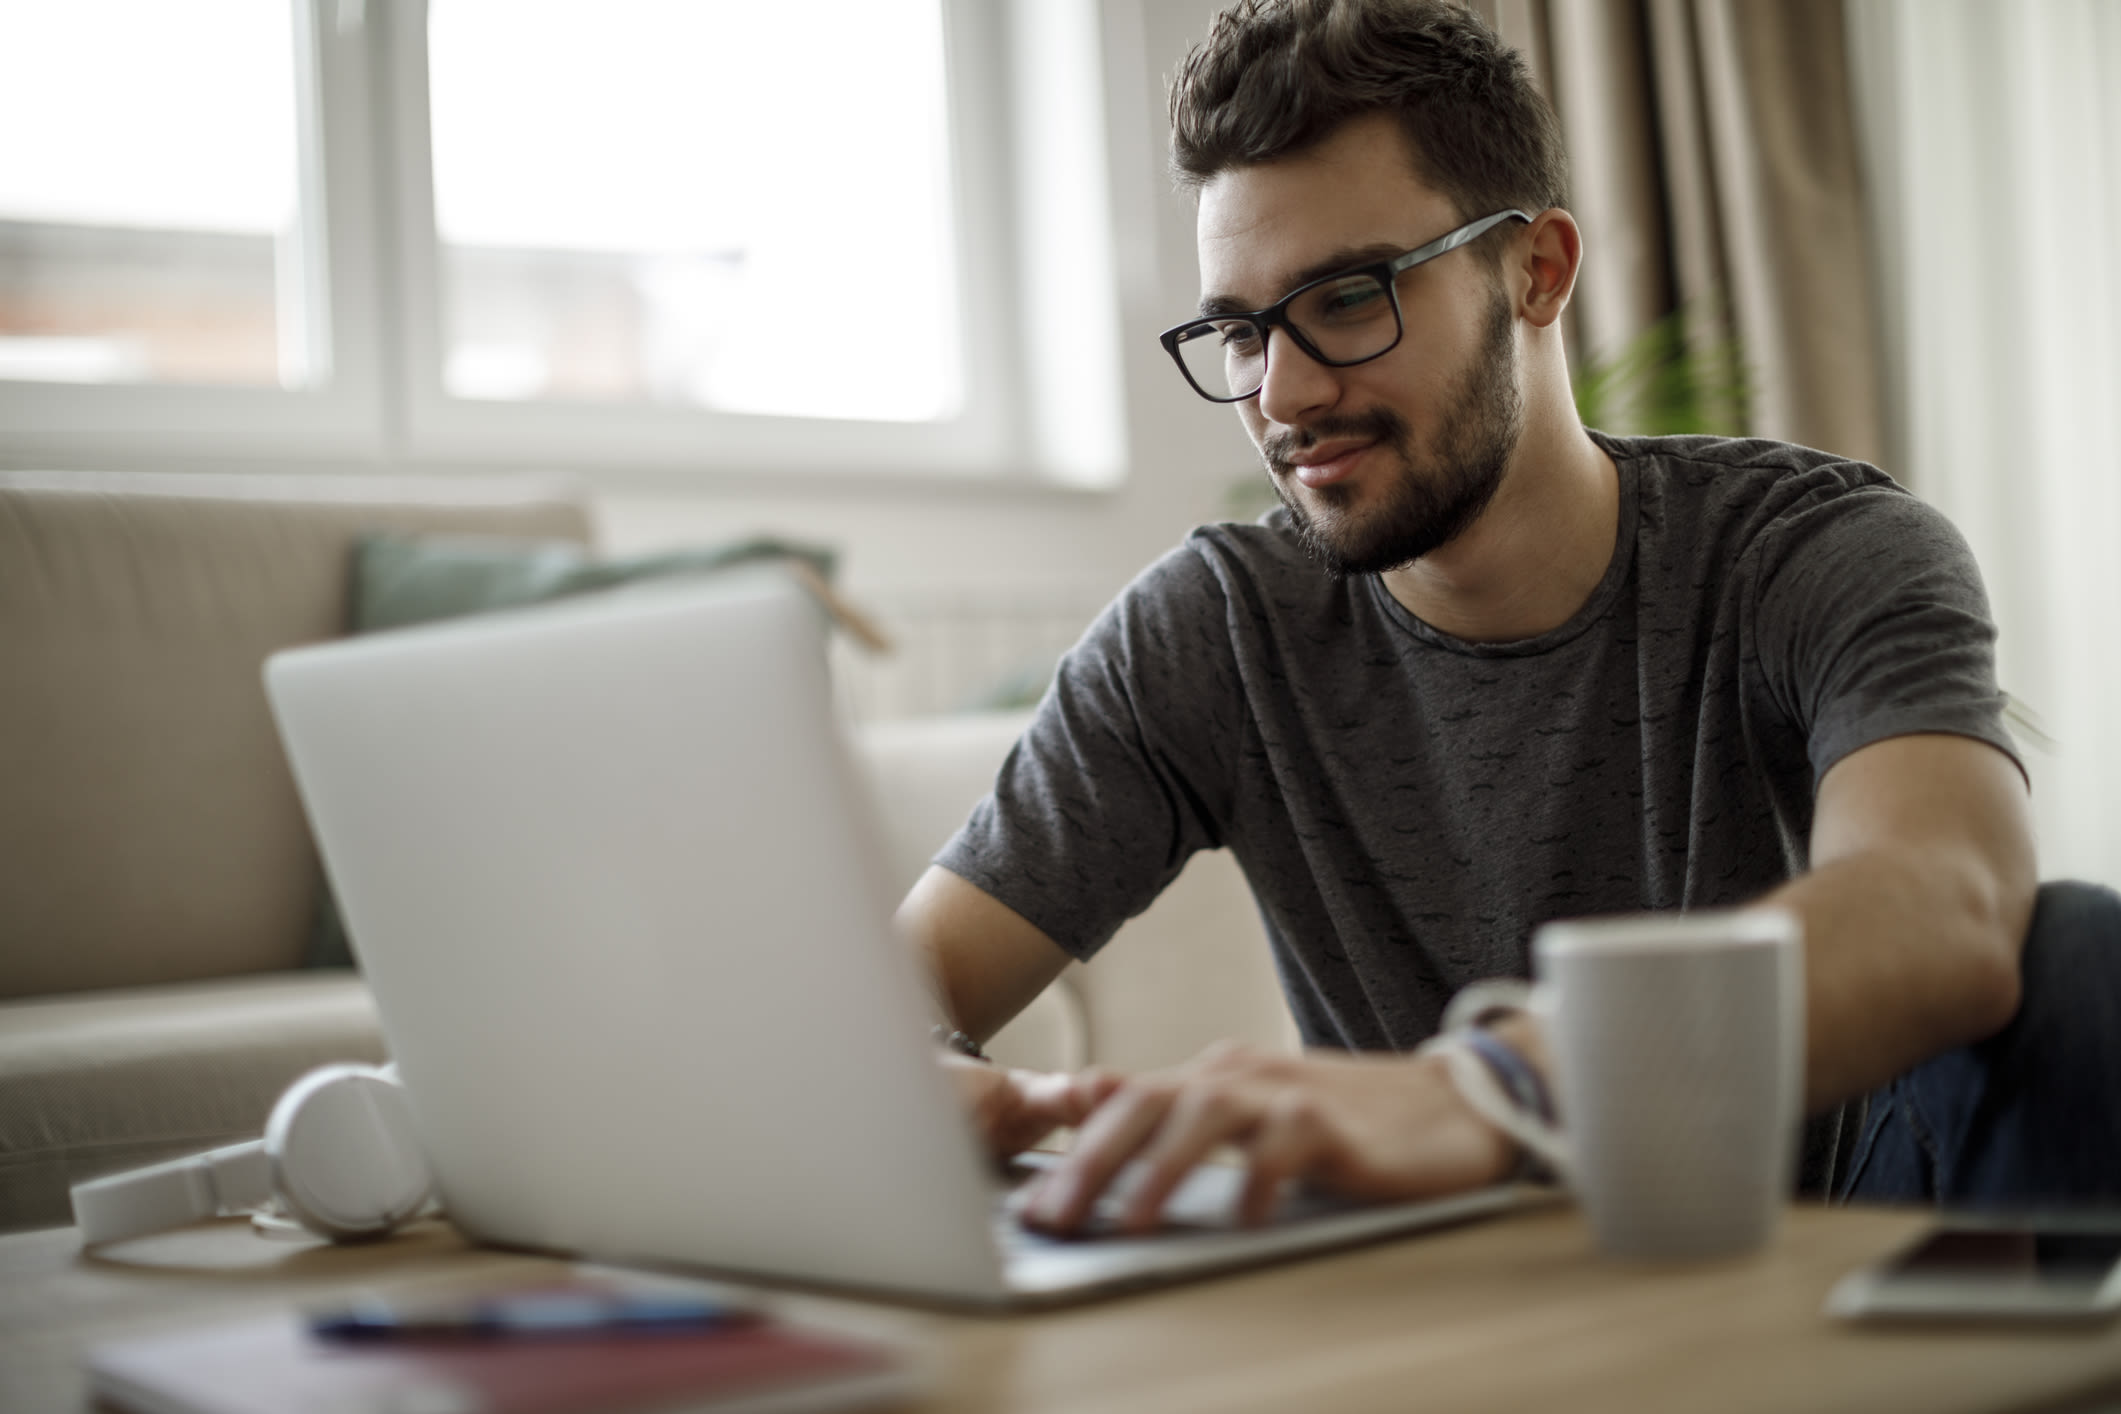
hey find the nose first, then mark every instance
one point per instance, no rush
(1297, 385)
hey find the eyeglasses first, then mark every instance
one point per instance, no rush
(1342, 319)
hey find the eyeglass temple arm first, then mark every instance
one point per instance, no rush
(1455, 239)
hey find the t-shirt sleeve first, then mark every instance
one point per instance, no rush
(1122, 774)
(1870, 622)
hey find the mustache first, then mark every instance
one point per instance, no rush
(1376, 425)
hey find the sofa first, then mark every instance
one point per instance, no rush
(158, 887)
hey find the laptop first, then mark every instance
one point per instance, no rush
(614, 882)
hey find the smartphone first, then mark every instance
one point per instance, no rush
(1988, 1269)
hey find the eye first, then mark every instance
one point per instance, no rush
(1238, 336)
(1343, 300)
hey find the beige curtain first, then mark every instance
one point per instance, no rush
(1714, 167)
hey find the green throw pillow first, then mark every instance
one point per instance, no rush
(411, 579)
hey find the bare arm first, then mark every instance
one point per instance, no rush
(988, 960)
(1914, 910)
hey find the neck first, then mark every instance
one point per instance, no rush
(1540, 548)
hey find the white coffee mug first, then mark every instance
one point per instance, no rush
(1678, 1050)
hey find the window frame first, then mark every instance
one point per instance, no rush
(344, 416)
(362, 83)
(441, 427)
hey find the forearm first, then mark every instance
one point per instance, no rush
(1911, 948)
(1908, 952)
(986, 961)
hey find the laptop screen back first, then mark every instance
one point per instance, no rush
(606, 867)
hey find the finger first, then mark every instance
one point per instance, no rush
(1032, 1105)
(1205, 1114)
(1091, 1088)
(1286, 1146)
(1057, 1099)
(1113, 1135)
(1021, 1107)
(983, 1093)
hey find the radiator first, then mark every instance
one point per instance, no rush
(960, 649)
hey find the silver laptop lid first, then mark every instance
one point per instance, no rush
(610, 877)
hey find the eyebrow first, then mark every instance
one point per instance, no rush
(1333, 264)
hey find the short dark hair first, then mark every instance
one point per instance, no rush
(1277, 77)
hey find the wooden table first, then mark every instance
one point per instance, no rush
(1512, 1314)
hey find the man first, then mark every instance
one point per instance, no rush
(1485, 668)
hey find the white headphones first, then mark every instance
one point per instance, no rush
(339, 1157)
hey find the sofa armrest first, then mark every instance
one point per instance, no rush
(1191, 970)
(108, 1080)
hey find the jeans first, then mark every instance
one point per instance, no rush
(2030, 1117)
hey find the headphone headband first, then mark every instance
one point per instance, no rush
(218, 1183)
(339, 1153)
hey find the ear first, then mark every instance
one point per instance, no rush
(1546, 271)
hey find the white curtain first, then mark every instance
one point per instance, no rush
(1993, 136)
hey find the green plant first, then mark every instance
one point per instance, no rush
(1667, 380)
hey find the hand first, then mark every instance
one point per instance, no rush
(1370, 1127)
(1014, 1109)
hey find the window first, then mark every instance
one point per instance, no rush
(601, 248)
(164, 251)
(675, 234)
(172, 278)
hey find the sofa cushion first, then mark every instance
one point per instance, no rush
(96, 1083)
(414, 579)
(149, 825)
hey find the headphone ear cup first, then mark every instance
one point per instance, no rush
(346, 1159)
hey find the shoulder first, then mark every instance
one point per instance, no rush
(1737, 498)
(1744, 475)
(1230, 593)
(1230, 563)
(1267, 550)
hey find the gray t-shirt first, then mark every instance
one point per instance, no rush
(1408, 806)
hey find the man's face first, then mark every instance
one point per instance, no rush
(1388, 460)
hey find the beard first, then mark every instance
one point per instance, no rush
(1433, 500)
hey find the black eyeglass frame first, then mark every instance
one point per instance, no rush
(1276, 315)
